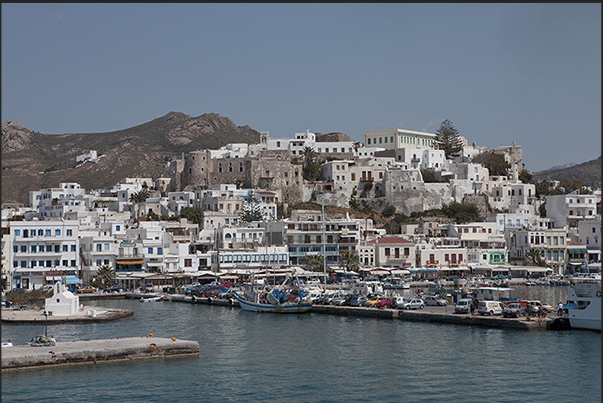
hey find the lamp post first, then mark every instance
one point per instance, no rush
(46, 324)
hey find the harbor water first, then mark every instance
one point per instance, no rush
(245, 356)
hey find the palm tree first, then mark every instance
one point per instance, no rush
(534, 258)
(350, 261)
(314, 263)
(106, 275)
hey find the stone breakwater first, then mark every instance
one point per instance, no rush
(26, 316)
(95, 351)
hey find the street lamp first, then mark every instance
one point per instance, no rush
(46, 324)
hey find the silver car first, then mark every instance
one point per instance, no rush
(435, 300)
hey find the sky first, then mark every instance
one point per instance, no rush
(500, 72)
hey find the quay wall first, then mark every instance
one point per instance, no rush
(95, 351)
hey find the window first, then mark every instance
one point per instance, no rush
(47, 232)
(33, 248)
(69, 232)
(150, 251)
(65, 248)
(368, 141)
(17, 232)
(72, 248)
(72, 263)
(57, 248)
(387, 252)
(160, 251)
(57, 232)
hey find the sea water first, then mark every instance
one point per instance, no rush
(251, 357)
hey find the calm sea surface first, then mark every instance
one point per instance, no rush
(249, 357)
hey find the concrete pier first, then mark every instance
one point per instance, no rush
(95, 352)
(84, 315)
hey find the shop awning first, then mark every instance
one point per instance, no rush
(128, 261)
(73, 280)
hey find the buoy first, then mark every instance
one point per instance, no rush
(173, 339)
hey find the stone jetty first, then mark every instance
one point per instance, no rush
(95, 352)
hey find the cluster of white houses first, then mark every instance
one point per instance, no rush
(68, 232)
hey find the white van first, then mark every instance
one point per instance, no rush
(490, 308)
(463, 305)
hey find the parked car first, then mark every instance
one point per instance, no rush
(398, 302)
(342, 300)
(489, 308)
(463, 305)
(539, 306)
(386, 303)
(358, 300)
(114, 288)
(149, 288)
(227, 294)
(373, 301)
(87, 289)
(415, 303)
(514, 310)
(434, 300)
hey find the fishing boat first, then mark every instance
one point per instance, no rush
(280, 300)
(152, 298)
(584, 303)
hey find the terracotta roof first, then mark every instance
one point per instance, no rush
(389, 239)
(574, 243)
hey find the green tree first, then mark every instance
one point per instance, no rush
(449, 140)
(106, 275)
(314, 263)
(311, 167)
(350, 261)
(139, 197)
(251, 210)
(534, 258)
(389, 210)
(460, 213)
(429, 175)
(193, 214)
(496, 163)
(525, 176)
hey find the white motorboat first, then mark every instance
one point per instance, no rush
(154, 298)
(584, 303)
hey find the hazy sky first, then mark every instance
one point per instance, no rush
(499, 72)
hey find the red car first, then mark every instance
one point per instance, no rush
(386, 303)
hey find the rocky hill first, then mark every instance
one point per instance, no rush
(32, 161)
(589, 172)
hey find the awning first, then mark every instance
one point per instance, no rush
(538, 269)
(128, 261)
(379, 272)
(73, 280)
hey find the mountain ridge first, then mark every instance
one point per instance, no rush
(44, 160)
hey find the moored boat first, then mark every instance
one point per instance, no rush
(153, 298)
(281, 300)
(584, 303)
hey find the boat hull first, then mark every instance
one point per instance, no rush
(584, 311)
(300, 307)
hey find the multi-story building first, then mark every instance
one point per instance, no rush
(393, 252)
(307, 234)
(568, 209)
(589, 234)
(399, 138)
(43, 251)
